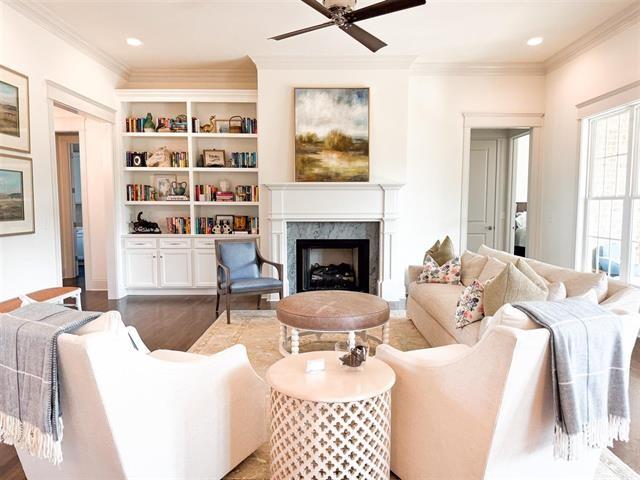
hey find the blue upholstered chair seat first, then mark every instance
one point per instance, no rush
(246, 285)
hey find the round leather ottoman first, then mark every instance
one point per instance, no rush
(330, 311)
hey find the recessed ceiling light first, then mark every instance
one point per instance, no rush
(134, 42)
(535, 41)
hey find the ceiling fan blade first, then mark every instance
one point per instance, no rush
(382, 8)
(319, 7)
(303, 30)
(372, 43)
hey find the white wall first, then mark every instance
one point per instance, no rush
(29, 262)
(432, 197)
(608, 66)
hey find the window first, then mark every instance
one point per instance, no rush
(612, 204)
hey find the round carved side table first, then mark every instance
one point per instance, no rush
(334, 424)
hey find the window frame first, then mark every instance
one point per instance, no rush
(629, 198)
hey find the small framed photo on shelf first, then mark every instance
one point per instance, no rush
(162, 184)
(240, 223)
(213, 158)
(226, 223)
(223, 126)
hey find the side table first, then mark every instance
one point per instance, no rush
(332, 424)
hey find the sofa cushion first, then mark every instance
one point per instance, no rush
(511, 285)
(441, 252)
(449, 272)
(492, 268)
(557, 291)
(246, 285)
(500, 255)
(470, 307)
(432, 251)
(626, 299)
(472, 266)
(530, 273)
(576, 283)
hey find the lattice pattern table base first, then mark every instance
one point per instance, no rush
(330, 441)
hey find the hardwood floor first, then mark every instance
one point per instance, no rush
(175, 323)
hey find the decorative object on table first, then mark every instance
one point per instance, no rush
(179, 188)
(235, 124)
(332, 134)
(162, 183)
(209, 127)
(356, 357)
(145, 226)
(160, 158)
(16, 195)
(448, 272)
(213, 158)
(14, 111)
(315, 365)
(225, 185)
(136, 159)
(149, 125)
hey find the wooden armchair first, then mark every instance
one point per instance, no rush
(239, 272)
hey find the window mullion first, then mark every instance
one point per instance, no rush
(626, 247)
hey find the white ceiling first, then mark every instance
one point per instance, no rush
(221, 33)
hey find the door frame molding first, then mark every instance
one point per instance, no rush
(533, 121)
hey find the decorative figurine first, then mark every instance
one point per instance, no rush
(225, 185)
(356, 357)
(179, 188)
(160, 158)
(149, 126)
(144, 226)
(209, 127)
(226, 228)
(217, 229)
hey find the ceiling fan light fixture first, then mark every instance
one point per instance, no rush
(134, 42)
(535, 41)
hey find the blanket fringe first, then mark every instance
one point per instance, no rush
(598, 434)
(30, 438)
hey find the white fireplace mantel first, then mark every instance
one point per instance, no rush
(340, 202)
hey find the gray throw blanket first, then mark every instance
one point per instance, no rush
(590, 379)
(29, 402)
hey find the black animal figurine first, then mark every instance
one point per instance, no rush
(144, 226)
(356, 357)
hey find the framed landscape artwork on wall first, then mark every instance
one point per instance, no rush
(14, 111)
(331, 134)
(16, 195)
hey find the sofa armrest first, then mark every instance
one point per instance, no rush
(413, 272)
(426, 357)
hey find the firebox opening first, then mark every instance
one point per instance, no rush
(332, 265)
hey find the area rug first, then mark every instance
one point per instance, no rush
(258, 330)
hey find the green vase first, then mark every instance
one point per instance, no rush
(149, 125)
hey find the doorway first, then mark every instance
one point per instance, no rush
(498, 176)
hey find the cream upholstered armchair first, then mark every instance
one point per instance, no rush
(131, 414)
(481, 412)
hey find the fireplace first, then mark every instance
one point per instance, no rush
(329, 264)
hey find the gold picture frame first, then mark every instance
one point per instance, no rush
(15, 128)
(17, 212)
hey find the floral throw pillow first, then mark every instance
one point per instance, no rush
(470, 308)
(448, 272)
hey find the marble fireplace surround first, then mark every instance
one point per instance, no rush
(325, 207)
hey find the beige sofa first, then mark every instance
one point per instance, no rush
(431, 307)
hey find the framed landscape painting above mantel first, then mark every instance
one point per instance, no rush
(331, 134)
(16, 195)
(14, 111)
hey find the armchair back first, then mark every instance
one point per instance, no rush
(241, 257)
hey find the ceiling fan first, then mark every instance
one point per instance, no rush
(342, 15)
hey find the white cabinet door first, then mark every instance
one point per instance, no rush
(142, 268)
(175, 268)
(204, 267)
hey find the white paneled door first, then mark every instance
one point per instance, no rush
(482, 194)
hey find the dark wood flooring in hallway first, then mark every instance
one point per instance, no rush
(175, 323)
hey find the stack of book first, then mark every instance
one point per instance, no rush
(206, 193)
(204, 225)
(140, 193)
(247, 193)
(179, 225)
(244, 224)
(244, 159)
(249, 125)
(180, 159)
(134, 124)
(225, 197)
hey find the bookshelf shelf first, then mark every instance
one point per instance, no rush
(159, 202)
(225, 170)
(229, 204)
(155, 134)
(224, 135)
(156, 169)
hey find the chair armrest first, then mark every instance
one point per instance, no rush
(413, 272)
(223, 280)
(137, 341)
(277, 266)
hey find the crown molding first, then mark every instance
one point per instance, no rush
(490, 69)
(363, 62)
(44, 17)
(194, 75)
(602, 32)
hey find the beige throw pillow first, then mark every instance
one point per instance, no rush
(472, 266)
(431, 252)
(441, 252)
(510, 286)
(582, 282)
(530, 273)
(492, 268)
(557, 291)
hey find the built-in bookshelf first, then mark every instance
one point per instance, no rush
(138, 184)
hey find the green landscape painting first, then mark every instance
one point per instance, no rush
(332, 134)
(11, 196)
